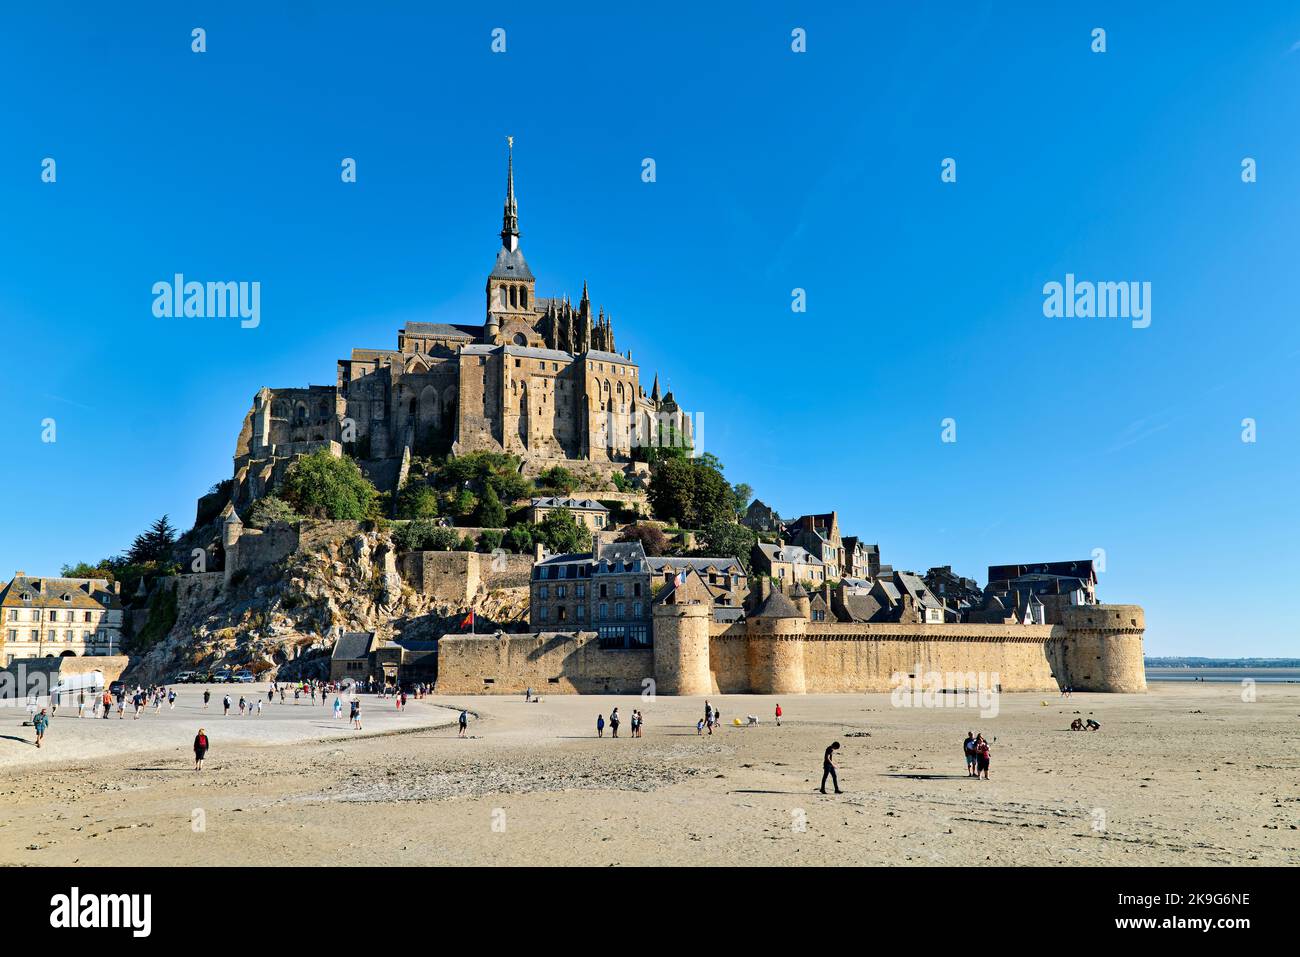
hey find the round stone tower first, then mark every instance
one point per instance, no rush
(775, 647)
(1103, 648)
(681, 629)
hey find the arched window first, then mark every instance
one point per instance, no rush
(514, 296)
(523, 297)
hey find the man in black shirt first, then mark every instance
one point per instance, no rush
(828, 768)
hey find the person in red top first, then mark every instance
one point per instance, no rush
(778, 716)
(982, 756)
(200, 749)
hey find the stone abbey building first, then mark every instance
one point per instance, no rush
(538, 377)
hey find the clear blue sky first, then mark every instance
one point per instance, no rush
(775, 171)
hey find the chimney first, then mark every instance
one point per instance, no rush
(539, 552)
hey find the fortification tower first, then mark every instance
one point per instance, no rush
(1102, 648)
(775, 647)
(682, 613)
(232, 529)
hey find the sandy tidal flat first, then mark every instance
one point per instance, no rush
(1187, 774)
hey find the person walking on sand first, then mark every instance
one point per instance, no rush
(40, 722)
(464, 723)
(81, 705)
(699, 728)
(968, 748)
(613, 723)
(828, 768)
(600, 725)
(171, 700)
(207, 696)
(778, 714)
(338, 708)
(225, 706)
(200, 749)
(982, 757)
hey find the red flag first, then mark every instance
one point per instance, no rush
(469, 621)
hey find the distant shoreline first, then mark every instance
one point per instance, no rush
(1267, 675)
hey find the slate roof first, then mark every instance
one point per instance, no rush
(728, 564)
(441, 330)
(778, 606)
(573, 504)
(610, 357)
(625, 552)
(793, 554)
(352, 645)
(85, 593)
(529, 352)
(510, 264)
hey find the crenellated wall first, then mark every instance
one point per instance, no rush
(1097, 648)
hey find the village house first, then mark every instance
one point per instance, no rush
(788, 564)
(585, 511)
(53, 617)
(860, 559)
(819, 535)
(761, 518)
(608, 592)
(724, 578)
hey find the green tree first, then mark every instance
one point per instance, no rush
(672, 490)
(690, 492)
(319, 485)
(742, 495)
(559, 480)
(520, 538)
(86, 570)
(491, 513)
(153, 545)
(562, 534)
(727, 539)
(417, 499)
(270, 509)
(490, 540)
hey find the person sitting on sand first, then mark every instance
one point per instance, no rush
(1076, 724)
(1093, 725)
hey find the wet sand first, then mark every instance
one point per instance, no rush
(1187, 774)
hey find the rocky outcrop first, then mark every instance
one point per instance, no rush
(281, 620)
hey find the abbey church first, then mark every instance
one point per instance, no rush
(538, 377)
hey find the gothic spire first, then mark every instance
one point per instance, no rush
(654, 391)
(510, 218)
